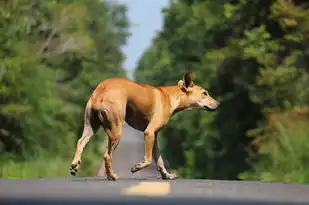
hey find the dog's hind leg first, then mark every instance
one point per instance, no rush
(113, 141)
(91, 126)
(113, 126)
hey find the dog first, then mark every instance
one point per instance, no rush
(145, 108)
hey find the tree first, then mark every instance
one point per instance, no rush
(53, 54)
(250, 55)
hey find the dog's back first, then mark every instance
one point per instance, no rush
(123, 97)
(120, 90)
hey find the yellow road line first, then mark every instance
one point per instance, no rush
(148, 189)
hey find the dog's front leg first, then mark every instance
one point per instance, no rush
(149, 142)
(160, 163)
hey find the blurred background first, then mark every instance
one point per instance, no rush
(251, 55)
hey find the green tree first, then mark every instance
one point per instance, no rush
(250, 55)
(53, 54)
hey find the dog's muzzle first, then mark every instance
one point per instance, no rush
(212, 108)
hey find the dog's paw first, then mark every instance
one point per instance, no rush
(139, 166)
(74, 168)
(73, 172)
(136, 167)
(169, 176)
(112, 177)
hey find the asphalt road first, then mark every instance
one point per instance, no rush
(144, 188)
(149, 191)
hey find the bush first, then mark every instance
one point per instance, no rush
(283, 152)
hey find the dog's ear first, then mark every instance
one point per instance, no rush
(188, 79)
(187, 82)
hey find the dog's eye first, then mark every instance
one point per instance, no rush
(205, 93)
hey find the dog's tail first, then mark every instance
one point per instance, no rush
(93, 112)
(90, 114)
(88, 109)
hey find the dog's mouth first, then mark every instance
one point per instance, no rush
(209, 109)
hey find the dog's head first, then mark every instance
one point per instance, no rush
(196, 96)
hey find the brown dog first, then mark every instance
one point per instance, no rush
(145, 108)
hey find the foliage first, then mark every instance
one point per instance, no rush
(283, 154)
(252, 56)
(53, 54)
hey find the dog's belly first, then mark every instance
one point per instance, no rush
(136, 124)
(136, 118)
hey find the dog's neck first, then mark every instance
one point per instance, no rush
(177, 98)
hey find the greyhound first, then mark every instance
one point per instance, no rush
(145, 108)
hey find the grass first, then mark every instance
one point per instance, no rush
(53, 165)
(289, 155)
(34, 168)
(285, 154)
(48, 167)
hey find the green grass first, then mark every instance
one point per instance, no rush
(53, 165)
(45, 168)
(35, 168)
(48, 167)
(286, 156)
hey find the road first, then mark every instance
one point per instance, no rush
(144, 188)
(95, 191)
